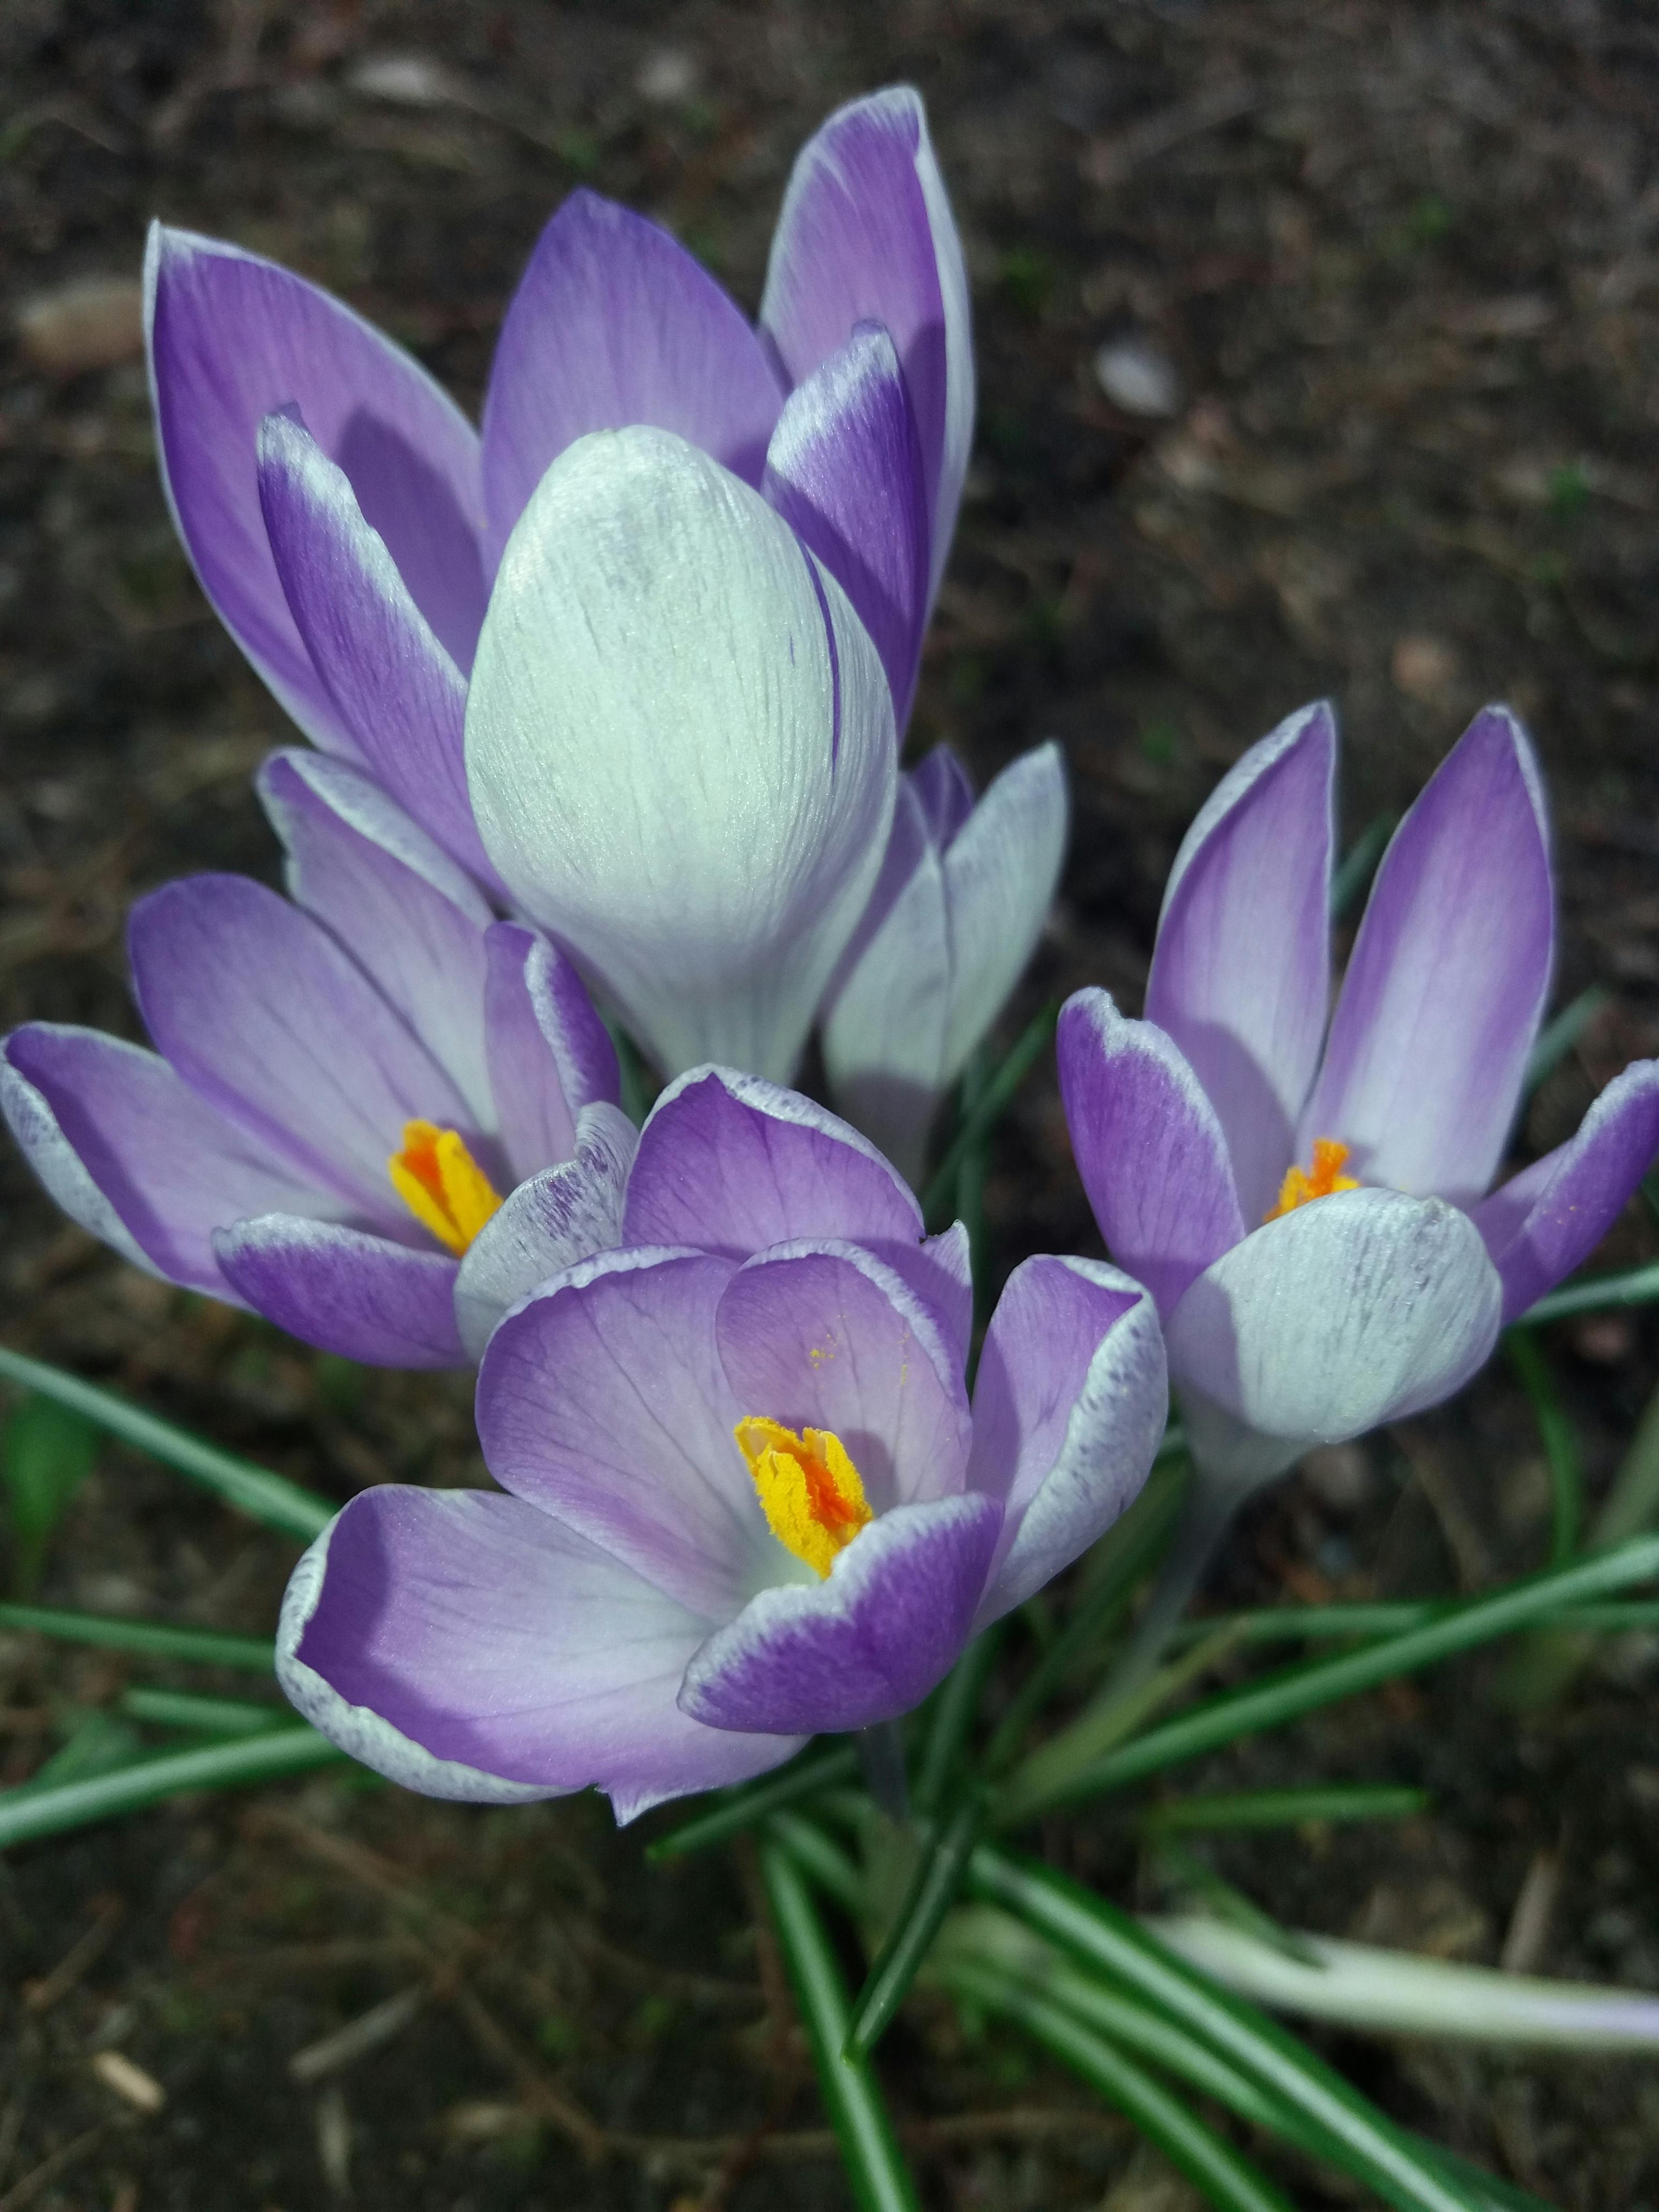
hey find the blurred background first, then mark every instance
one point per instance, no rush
(1319, 353)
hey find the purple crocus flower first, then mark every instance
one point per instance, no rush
(344, 1087)
(745, 1499)
(955, 915)
(1307, 1200)
(347, 521)
(679, 744)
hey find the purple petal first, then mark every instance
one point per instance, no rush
(866, 236)
(1352, 1310)
(231, 337)
(398, 691)
(1242, 973)
(345, 1292)
(133, 1155)
(679, 744)
(730, 1164)
(1449, 977)
(844, 470)
(603, 1402)
(408, 917)
(615, 323)
(467, 1646)
(1149, 1147)
(865, 1645)
(550, 1054)
(551, 1222)
(827, 1338)
(944, 792)
(1069, 1405)
(265, 1017)
(1547, 1220)
(940, 1272)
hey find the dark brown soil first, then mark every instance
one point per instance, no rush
(1403, 261)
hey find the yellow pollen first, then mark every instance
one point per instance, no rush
(810, 1490)
(1322, 1180)
(442, 1184)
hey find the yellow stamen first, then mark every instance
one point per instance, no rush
(1322, 1180)
(810, 1490)
(442, 1184)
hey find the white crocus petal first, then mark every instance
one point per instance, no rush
(1352, 1310)
(885, 1033)
(1000, 871)
(935, 973)
(680, 745)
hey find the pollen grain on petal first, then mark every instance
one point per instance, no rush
(442, 1185)
(1322, 1180)
(810, 1490)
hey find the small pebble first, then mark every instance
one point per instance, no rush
(666, 76)
(1137, 378)
(402, 80)
(1424, 668)
(130, 2082)
(93, 323)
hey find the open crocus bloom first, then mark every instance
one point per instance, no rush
(746, 1498)
(345, 1087)
(679, 744)
(346, 520)
(955, 915)
(1310, 1210)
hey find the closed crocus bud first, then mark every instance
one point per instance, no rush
(347, 1084)
(955, 915)
(743, 1495)
(1307, 1198)
(679, 743)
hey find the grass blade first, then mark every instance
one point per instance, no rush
(1392, 1993)
(1116, 1563)
(1296, 1691)
(156, 1639)
(821, 1860)
(1106, 1941)
(46, 1453)
(1283, 1809)
(931, 1893)
(747, 1807)
(952, 1718)
(989, 1944)
(1359, 864)
(1558, 1038)
(249, 1489)
(987, 1109)
(875, 2167)
(1537, 1379)
(1220, 2174)
(28, 1814)
(1634, 1286)
(182, 1709)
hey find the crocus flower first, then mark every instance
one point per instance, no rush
(679, 744)
(346, 520)
(955, 915)
(345, 1085)
(745, 1497)
(1308, 1204)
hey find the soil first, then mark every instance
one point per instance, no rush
(1393, 270)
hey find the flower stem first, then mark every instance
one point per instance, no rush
(881, 1751)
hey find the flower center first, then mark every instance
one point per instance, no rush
(442, 1184)
(1322, 1180)
(810, 1490)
